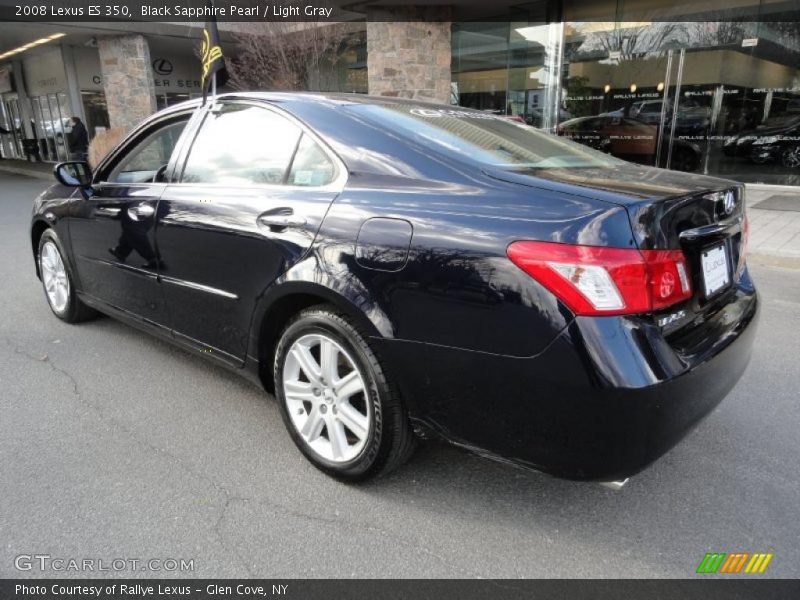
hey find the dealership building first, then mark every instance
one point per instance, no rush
(709, 87)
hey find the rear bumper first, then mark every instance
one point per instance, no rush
(608, 397)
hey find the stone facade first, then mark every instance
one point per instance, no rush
(127, 79)
(408, 52)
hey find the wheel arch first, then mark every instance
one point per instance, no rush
(37, 230)
(281, 303)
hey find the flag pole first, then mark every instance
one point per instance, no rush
(214, 86)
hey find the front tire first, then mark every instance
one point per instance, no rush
(58, 281)
(336, 400)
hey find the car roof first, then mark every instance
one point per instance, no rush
(331, 99)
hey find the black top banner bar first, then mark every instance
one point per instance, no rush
(540, 11)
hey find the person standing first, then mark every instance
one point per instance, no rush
(78, 140)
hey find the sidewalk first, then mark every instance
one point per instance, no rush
(38, 170)
(774, 213)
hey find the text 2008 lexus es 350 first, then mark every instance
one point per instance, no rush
(394, 269)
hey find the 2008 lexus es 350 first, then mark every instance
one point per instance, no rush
(393, 270)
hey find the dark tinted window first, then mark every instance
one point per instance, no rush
(483, 137)
(242, 144)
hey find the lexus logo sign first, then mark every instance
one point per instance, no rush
(162, 66)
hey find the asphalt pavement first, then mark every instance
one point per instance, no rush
(115, 445)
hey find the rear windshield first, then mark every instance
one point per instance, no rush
(484, 137)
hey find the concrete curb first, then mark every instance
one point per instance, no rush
(47, 176)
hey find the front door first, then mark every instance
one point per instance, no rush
(112, 233)
(251, 197)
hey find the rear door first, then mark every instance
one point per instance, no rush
(252, 193)
(112, 233)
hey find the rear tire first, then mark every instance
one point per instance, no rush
(339, 406)
(58, 281)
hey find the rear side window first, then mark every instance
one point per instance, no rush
(482, 137)
(240, 145)
(311, 166)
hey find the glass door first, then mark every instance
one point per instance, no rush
(9, 119)
(59, 109)
(693, 101)
(615, 89)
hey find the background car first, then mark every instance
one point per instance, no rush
(777, 138)
(783, 148)
(630, 139)
(393, 269)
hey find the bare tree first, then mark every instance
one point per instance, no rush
(638, 42)
(287, 55)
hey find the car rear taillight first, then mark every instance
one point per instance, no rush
(595, 280)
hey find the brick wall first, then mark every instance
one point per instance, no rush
(408, 52)
(127, 79)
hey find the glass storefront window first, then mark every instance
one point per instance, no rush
(709, 87)
(507, 68)
(10, 121)
(51, 125)
(721, 98)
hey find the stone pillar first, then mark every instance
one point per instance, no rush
(127, 80)
(408, 52)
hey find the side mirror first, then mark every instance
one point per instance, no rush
(73, 174)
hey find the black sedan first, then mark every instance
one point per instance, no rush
(392, 270)
(775, 140)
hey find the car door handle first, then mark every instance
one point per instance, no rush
(141, 211)
(282, 219)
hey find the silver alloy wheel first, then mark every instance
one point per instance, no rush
(326, 397)
(54, 276)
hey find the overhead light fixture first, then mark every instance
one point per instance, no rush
(607, 88)
(660, 86)
(32, 44)
(633, 88)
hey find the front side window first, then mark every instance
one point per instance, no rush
(144, 160)
(242, 144)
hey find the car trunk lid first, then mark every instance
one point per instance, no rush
(702, 216)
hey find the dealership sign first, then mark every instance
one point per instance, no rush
(175, 75)
(170, 73)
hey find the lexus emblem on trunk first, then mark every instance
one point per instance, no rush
(728, 202)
